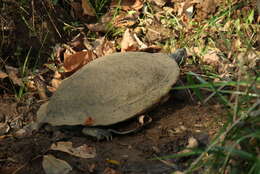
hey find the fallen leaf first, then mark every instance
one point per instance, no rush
(250, 58)
(103, 47)
(41, 89)
(98, 27)
(30, 84)
(12, 74)
(157, 32)
(205, 8)
(78, 42)
(4, 128)
(53, 165)
(3, 75)
(51, 89)
(211, 58)
(83, 151)
(68, 51)
(76, 10)
(103, 24)
(56, 81)
(127, 4)
(125, 20)
(151, 49)
(128, 42)
(24, 132)
(160, 3)
(236, 44)
(75, 61)
(87, 8)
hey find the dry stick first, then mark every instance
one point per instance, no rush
(167, 163)
(51, 20)
(33, 18)
(212, 94)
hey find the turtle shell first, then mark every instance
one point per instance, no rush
(111, 89)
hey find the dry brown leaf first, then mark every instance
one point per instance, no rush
(125, 20)
(138, 5)
(67, 53)
(83, 151)
(104, 47)
(157, 32)
(151, 49)
(13, 75)
(87, 8)
(128, 42)
(3, 75)
(57, 75)
(75, 61)
(249, 59)
(76, 9)
(51, 89)
(55, 83)
(98, 27)
(205, 8)
(236, 44)
(53, 165)
(31, 85)
(160, 3)
(41, 90)
(4, 128)
(127, 4)
(77, 43)
(102, 25)
(211, 58)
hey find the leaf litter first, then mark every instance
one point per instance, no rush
(83, 151)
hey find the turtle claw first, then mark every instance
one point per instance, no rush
(98, 133)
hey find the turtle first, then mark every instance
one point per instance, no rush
(111, 89)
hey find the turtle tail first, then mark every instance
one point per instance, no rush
(179, 55)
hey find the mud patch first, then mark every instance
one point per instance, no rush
(173, 123)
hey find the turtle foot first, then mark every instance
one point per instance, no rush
(98, 133)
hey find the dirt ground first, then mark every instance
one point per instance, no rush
(173, 124)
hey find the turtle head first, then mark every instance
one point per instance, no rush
(179, 55)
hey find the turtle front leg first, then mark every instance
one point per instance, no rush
(98, 133)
